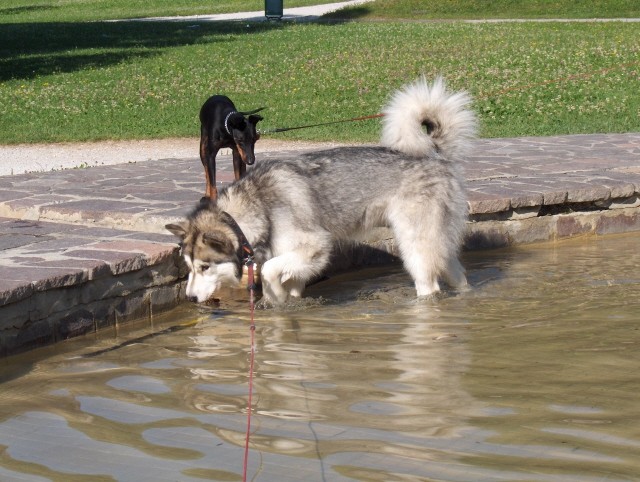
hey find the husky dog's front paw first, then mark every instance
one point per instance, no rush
(264, 303)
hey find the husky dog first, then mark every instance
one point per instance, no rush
(293, 213)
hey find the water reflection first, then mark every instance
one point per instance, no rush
(530, 375)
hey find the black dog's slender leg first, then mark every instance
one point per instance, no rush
(239, 167)
(208, 153)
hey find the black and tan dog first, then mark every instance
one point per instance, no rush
(222, 126)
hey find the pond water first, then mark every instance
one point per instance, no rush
(533, 374)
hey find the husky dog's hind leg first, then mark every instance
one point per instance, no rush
(428, 212)
(424, 239)
(454, 275)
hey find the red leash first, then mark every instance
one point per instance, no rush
(247, 260)
(354, 119)
(252, 328)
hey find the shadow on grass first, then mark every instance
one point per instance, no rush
(31, 50)
(346, 14)
(25, 9)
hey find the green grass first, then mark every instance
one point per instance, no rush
(484, 9)
(30, 11)
(73, 81)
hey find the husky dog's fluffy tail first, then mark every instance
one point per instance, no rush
(423, 119)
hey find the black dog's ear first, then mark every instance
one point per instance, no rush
(237, 122)
(254, 119)
(254, 111)
(179, 229)
(218, 242)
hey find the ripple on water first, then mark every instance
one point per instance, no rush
(529, 375)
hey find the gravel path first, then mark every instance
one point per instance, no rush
(21, 158)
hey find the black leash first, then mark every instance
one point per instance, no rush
(247, 257)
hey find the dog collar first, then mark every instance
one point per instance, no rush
(245, 246)
(226, 121)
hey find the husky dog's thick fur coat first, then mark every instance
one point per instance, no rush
(293, 213)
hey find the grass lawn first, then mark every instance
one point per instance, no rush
(483, 9)
(74, 80)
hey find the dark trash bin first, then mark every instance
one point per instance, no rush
(273, 9)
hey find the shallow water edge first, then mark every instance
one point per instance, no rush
(531, 374)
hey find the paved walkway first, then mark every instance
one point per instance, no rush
(309, 13)
(86, 248)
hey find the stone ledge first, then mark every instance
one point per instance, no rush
(80, 301)
(58, 281)
(502, 233)
(89, 318)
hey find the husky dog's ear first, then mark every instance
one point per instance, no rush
(219, 242)
(179, 229)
